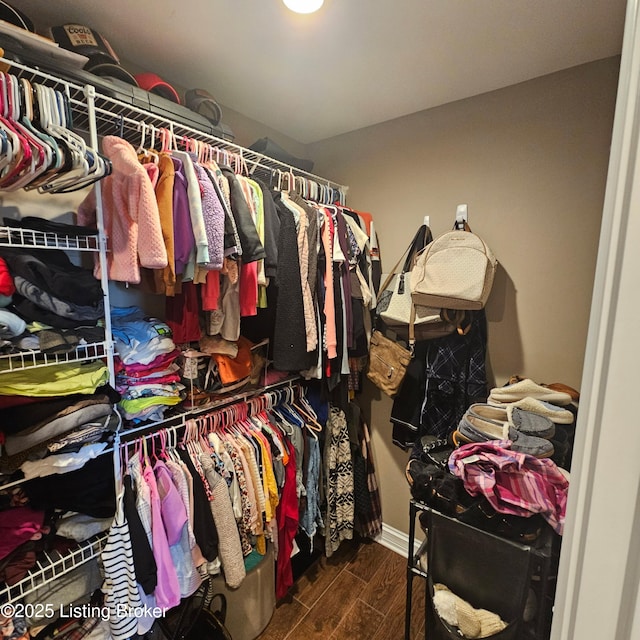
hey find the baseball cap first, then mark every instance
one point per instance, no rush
(86, 41)
(155, 84)
(15, 16)
(109, 70)
(202, 102)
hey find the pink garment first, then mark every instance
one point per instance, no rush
(512, 482)
(329, 302)
(137, 370)
(153, 171)
(167, 591)
(17, 526)
(174, 514)
(131, 216)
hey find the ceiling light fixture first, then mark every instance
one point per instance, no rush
(303, 6)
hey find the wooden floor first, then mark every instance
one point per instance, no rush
(357, 594)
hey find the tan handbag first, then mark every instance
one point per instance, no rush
(388, 362)
(455, 271)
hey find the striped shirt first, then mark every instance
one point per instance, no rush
(119, 586)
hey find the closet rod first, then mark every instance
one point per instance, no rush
(176, 427)
(116, 108)
(114, 113)
(129, 129)
(48, 79)
(179, 421)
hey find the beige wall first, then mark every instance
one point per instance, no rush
(531, 162)
(247, 131)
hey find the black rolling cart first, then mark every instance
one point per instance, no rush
(486, 570)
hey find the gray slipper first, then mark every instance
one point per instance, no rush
(531, 424)
(476, 429)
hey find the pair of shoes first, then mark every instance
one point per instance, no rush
(561, 447)
(473, 428)
(556, 414)
(458, 613)
(560, 386)
(527, 388)
(531, 424)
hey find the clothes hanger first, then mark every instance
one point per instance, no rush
(6, 143)
(311, 421)
(38, 150)
(21, 151)
(56, 159)
(87, 165)
(61, 146)
(141, 150)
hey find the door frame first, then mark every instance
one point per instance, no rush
(597, 593)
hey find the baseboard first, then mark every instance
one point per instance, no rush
(397, 540)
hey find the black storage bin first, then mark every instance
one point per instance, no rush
(487, 571)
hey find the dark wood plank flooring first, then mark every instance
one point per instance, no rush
(357, 594)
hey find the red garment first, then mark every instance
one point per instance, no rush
(7, 288)
(287, 517)
(182, 314)
(168, 379)
(210, 291)
(13, 401)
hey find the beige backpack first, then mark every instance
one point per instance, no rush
(455, 271)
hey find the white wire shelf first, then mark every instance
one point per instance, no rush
(24, 238)
(118, 118)
(115, 117)
(53, 566)
(179, 420)
(35, 359)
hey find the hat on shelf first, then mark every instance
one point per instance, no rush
(202, 102)
(86, 41)
(14, 16)
(155, 84)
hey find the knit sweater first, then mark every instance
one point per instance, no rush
(131, 217)
(229, 545)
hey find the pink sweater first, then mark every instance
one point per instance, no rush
(131, 217)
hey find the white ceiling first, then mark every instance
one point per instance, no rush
(354, 63)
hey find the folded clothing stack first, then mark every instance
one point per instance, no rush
(51, 290)
(57, 435)
(147, 375)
